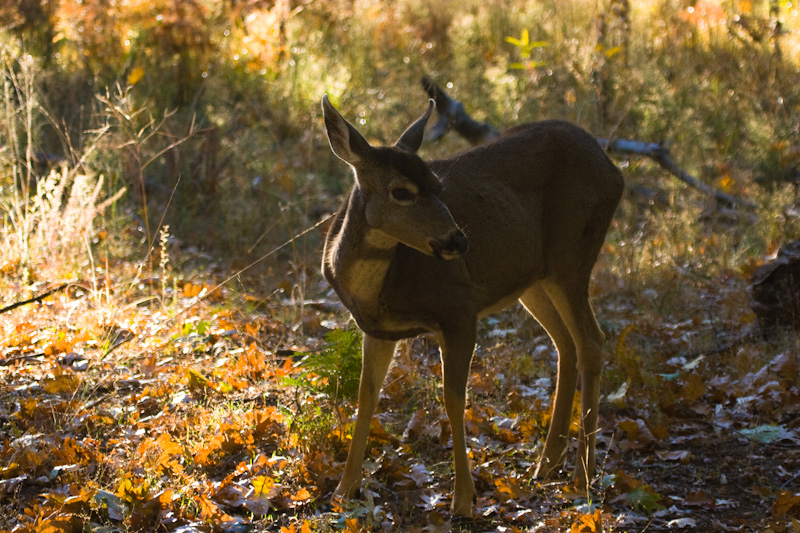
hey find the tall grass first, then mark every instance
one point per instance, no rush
(49, 203)
(245, 84)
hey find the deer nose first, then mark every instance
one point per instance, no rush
(454, 245)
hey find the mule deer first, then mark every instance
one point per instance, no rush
(431, 247)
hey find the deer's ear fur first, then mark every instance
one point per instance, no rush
(346, 142)
(411, 139)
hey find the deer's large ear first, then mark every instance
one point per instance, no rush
(411, 139)
(346, 142)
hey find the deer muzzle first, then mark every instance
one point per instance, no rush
(451, 247)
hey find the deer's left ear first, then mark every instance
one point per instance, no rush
(346, 142)
(411, 139)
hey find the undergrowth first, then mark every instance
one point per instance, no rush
(167, 159)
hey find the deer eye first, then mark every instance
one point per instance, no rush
(402, 195)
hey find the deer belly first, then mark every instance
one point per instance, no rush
(501, 304)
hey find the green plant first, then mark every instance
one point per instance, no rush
(526, 48)
(335, 370)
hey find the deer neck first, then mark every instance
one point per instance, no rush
(356, 259)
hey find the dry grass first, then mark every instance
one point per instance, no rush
(130, 389)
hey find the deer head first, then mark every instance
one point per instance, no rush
(400, 194)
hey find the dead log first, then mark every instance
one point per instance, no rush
(660, 154)
(453, 116)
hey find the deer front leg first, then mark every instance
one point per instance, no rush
(457, 348)
(377, 354)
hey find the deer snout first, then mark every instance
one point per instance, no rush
(451, 247)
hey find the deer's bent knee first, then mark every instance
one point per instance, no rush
(590, 360)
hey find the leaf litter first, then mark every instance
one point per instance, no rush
(226, 420)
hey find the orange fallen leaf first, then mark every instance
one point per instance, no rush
(507, 488)
(190, 290)
(252, 329)
(303, 495)
(67, 383)
(787, 503)
(588, 523)
(351, 525)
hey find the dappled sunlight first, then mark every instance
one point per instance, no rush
(171, 358)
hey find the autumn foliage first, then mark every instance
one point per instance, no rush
(163, 169)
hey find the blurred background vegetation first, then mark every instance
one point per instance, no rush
(206, 112)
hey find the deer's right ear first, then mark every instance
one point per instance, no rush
(346, 142)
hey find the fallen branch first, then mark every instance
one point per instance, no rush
(660, 154)
(34, 299)
(8, 361)
(453, 115)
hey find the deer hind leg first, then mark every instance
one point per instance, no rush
(538, 303)
(377, 354)
(457, 347)
(572, 302)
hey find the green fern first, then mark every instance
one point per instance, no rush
(336, 369)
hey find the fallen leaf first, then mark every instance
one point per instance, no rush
(433, 500)
(351, 525)
(7, 486)
(416, 426)
(508, 488)
(588, 523)
(787, 503)
(419, 474)
(301, 497)
(638, 435)
(645, 498)
(61, 523)
(764, 434)
(66, 383)
(700, 498)
(694, 387)
(683, 523)
(681, 456)
(190, 290)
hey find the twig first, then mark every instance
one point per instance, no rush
(783, 487)
(22, 357)
(660, 154)
(34, 299)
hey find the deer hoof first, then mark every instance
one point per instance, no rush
(545, 470)
(462, 507)
(462, 502)
(345, 491)
(581, 478)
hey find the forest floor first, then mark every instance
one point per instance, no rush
(135, 403)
